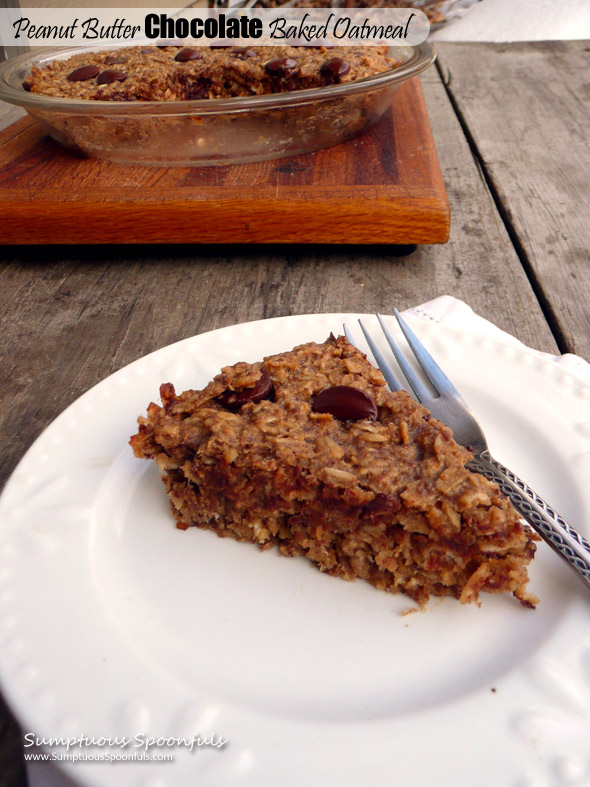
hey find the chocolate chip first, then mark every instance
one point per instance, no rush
(280, 67)
(82, 73)
(243, 53)
(112, 60)
(233, 400)
(111, 75)
(195, 90)
(381, 504)
(27, 86)
(188, 54)
(345, 403)
(333, 70)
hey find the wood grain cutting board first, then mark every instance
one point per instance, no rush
(384, 186)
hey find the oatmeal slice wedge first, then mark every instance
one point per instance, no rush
(366, 485)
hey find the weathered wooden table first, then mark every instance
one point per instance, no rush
(511, 126)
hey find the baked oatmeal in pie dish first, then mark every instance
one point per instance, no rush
(310, 453)
(174, 73)
(203, 106)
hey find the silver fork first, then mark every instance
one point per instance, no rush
(448, 406)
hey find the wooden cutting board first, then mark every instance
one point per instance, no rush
(384, 186)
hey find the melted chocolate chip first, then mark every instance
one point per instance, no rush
(233, 400)
(333, 70)
(243, 53)
(84, 72)
(345, 403)
(188, 54)
(281, 67)
(195, 90)
(382, 503)
(194, 86)
(27, 86)
(111, 75)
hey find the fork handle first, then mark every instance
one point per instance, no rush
(552, 528)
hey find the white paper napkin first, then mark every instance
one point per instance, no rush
(451, 311)
(446, 310)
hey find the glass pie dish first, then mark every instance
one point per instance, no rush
(207, 132)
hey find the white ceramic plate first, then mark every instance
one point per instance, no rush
(115, 623)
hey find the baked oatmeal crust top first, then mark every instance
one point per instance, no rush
(185, 73)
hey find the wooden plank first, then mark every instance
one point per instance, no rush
(527, 107)
(384, 186)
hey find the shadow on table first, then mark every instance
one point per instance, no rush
(48, 254)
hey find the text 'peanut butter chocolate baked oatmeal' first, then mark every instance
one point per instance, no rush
(309, 451)
(186, 73)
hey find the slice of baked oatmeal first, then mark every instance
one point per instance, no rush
(309, 451)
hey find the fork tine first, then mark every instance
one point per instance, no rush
(385, 368)
(440, 382)
(419, 390)
(349, 336)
